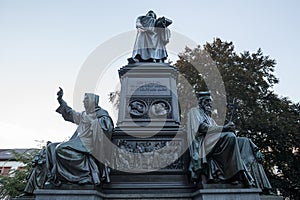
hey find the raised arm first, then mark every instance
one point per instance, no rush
(66, 111)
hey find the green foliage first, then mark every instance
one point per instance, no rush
(13, 185)
(270, 121)
(114, 98)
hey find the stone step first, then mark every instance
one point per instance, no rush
(271, 197)
(200, 194)
(49, 194)
(227, 194)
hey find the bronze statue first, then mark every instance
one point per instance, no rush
(78, 160)
(215, 153)
(81, 160)
(152, 37)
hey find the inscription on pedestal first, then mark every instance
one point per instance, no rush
(149, 87)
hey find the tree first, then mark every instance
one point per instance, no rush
(270, 121)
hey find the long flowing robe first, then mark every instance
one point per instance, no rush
(82, 158)
(214, 153)
(248, 151)
(151, 40)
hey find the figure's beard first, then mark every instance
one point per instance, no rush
(206, 109)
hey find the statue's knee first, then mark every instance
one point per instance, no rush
(58, 148)
(231, 137)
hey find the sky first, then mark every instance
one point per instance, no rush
(48, 44)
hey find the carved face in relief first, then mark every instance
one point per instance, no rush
(160, 108)
(137, 108)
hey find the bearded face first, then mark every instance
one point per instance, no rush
(205, 104)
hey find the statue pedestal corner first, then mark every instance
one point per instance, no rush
(227, 194)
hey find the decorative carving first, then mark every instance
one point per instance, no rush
(160, 108)
(143, 155)
(137, 108)
(145, 108)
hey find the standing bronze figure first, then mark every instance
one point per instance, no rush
(152, 38)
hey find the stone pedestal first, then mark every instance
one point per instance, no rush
(152, 154)
(148, 96)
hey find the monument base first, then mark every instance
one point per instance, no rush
(201, 194)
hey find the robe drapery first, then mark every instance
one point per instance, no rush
(151, 38)
(248, 152)
(214, 153)
(82, 158)
(38, 175)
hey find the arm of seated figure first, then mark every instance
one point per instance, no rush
(229, 127)
(206, 128)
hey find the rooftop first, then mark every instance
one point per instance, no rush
(8, 154)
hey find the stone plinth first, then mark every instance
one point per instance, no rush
(147, 194)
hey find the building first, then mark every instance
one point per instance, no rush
(8, 162)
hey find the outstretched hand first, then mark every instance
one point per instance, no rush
(60, 94)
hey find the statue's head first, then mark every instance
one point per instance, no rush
(151, 14)
(90, 102)
(204, 101)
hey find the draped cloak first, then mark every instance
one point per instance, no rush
(83, 158)
(150, 40)
(248, 151)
